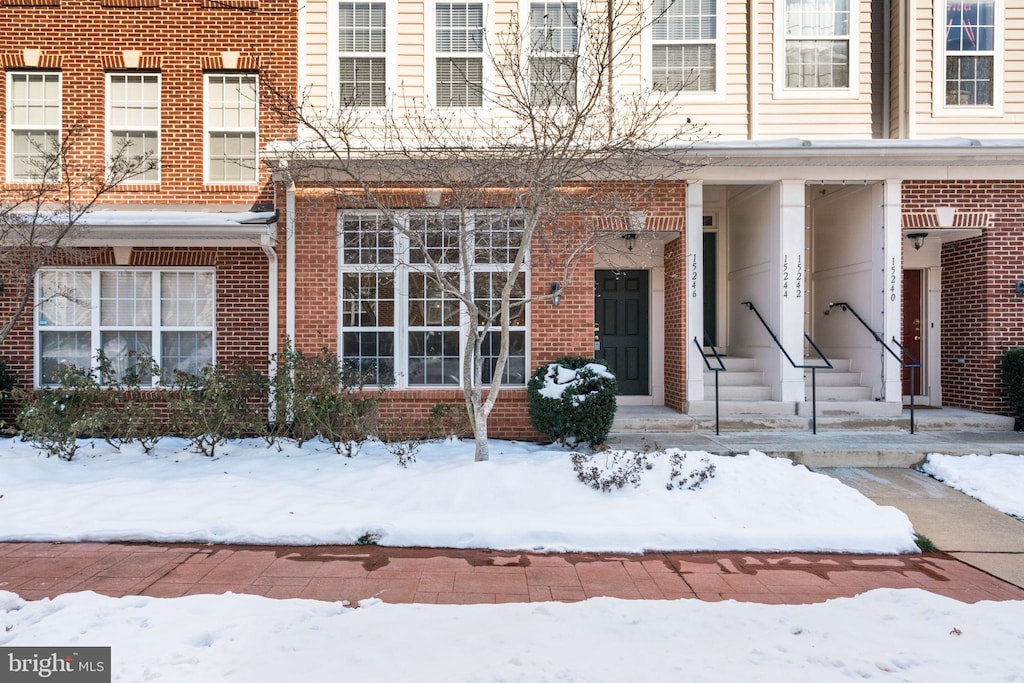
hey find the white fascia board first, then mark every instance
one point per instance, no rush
(158, 228)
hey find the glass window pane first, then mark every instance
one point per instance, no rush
(185, 353)
(65, 298)
(57, 349)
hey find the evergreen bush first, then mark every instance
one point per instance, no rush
(572, 400)
(54, 417)
(1013, 377)
(222, 401)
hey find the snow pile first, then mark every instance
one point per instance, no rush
(527, 497)
(559, 379)
(996, 480)
(904, 635)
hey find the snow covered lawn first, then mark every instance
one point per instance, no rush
(526, 498)
(996, 480)
(889, 635)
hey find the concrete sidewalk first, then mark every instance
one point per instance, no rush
(957, 524)
(420, 575)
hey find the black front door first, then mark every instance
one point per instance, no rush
(621, 336)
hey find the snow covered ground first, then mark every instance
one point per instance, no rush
(527, 497)
(996, 480)
(884, 635)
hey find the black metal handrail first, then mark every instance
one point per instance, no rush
(720, 368)
(800, 366)
(913, 365)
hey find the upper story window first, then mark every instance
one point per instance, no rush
(362, 62)
(970, 51)
(554, 52)
(133, 125)
(33, 125)
(232, 143)
(817, 44)
(459, 43)
(684, 46)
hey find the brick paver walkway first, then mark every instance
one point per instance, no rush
(430, 575)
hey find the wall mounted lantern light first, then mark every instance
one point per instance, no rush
(630, 238)
(556, 294)
(917, 238)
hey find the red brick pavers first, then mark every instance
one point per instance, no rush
(437, 575)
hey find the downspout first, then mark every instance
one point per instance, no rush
(268, 240)
(289, 278)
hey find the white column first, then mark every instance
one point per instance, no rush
(787, 268)
(892, 292)
(694, 289)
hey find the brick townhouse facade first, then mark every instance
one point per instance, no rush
(869, 155)
(178, 260)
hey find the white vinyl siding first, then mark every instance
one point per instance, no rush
(33, 125)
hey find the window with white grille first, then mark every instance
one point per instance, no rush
(684, 48)
(33, 125)
(133, 125)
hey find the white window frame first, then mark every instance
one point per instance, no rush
(95, 328)
(852, 89)
(112, 146)
(939, 106)
(401, 269)
(432, 54)
(529, 53)
(209, 130)
(29, 127)
(335, 54)
(647, 61)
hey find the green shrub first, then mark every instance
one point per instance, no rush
(317, 396)
(572, 400)
(125, 411)
(8, 380)
(223, 401)
(1013, 377)
(54, 417)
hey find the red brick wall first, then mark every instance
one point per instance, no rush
(567, 329)
(981, 315)
(81, 37)
(242, 300)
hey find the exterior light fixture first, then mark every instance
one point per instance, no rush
(917, 238)
(556, 294)
(630, 238)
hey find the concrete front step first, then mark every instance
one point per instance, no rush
(738, 393)
(874, 416)
(833, 393)
(833, 378)
(701, 408)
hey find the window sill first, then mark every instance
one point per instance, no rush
(231, 4)
(137, 187)
(231, 187)
(135, 4)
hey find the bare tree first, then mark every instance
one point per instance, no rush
(504, 165)
(40, 218)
